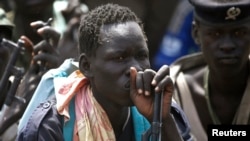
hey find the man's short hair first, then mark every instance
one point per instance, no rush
(92, 22)
(219, 12)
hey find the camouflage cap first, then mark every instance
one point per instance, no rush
(4, 21)
(221, 11)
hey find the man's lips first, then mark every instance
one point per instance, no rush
(228, 60)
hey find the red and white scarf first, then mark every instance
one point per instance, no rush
(92, 123)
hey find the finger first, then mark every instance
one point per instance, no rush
(37, 24)
(133, 74)
(147, 79)
(166, 87)
(139, 82)
(50, 60)
(167, 97)
(164, 83)
(43, 46)
(49, 33)
(28, 44)
(160, 74)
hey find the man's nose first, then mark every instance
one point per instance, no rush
(134, 63)
(227, 44)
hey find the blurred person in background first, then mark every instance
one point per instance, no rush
(213, 86)
(177, 40)
(6, 31)
(40, 52)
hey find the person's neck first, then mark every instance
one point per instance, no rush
(118, 118)
(224, 84)
(118, 115)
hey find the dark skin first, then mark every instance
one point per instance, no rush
(26, 12)
(44, 51)
(226, 49)
(44, 57)
(120, 76)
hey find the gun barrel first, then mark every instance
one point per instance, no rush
(154, 132)
(11, 63)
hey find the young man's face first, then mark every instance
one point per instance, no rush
(123, 46)
(226, 48)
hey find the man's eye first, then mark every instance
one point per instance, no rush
(142, 56)
(240, 33)
(119, 58)
(214, 33)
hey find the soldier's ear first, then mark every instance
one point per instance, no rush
(195, 32)
(84, 65)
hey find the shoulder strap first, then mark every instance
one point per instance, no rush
(243, 112)
(189, 108)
